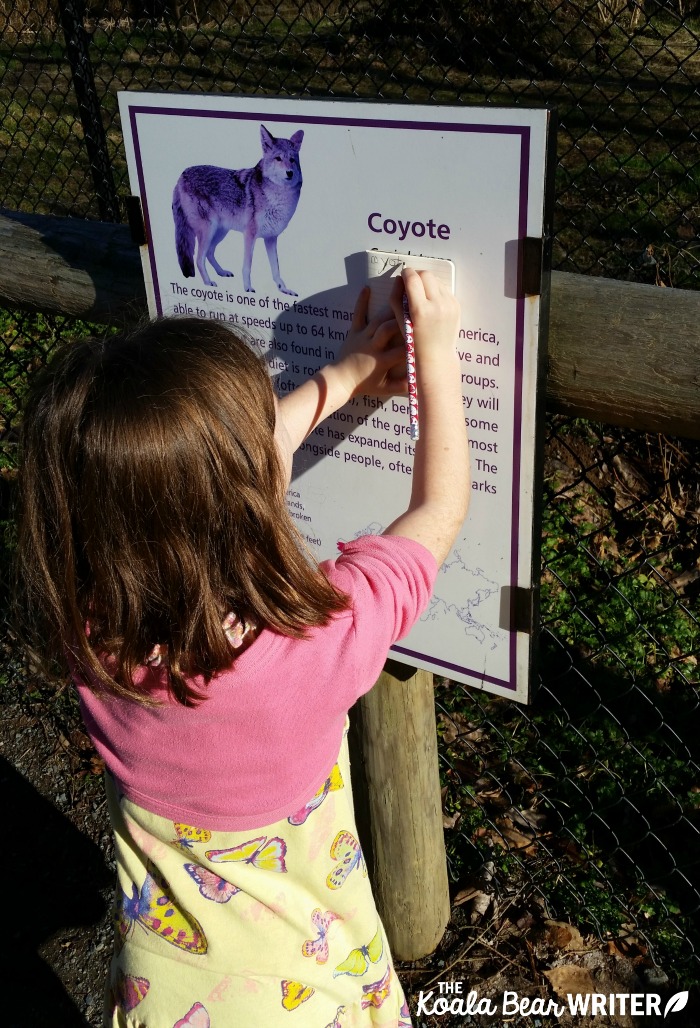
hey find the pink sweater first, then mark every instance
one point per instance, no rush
(268, 733)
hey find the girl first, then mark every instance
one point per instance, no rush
(216, 663)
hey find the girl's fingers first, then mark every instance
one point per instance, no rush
(393, 356)
(385, 331)
(431, 302)
(422, 285)
(383, 317)
(396, 299)
(432, 286)
(392, 365)
(414, 289)
(359, 315)
(395, 381)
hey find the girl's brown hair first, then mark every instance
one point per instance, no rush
(152, 504)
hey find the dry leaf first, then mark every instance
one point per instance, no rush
(450, 732)
(457, 728)
(478, 900)
(516, 838)
(683, 579)
(480, 904)
(512, 839)
(562, 935)
(492, 793)
(530, 819)
(569, 979)
(79, 740)
(464, 896)
(631, 475)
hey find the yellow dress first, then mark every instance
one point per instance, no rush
(275, 927)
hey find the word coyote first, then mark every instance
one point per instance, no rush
(259, 202)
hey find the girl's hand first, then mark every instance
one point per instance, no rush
(373, 357)
(434, 311)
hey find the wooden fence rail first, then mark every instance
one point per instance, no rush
(619, 352)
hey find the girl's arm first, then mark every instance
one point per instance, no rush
(440, 481)
(366, 361)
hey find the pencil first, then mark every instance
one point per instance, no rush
(411, 370)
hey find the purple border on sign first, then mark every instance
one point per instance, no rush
(523, 131)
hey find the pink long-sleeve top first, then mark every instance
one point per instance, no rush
(267, 734)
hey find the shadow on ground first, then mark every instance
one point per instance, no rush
(56, 875)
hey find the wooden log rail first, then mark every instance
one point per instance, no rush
(619, 352)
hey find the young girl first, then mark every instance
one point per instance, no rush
(216, 663)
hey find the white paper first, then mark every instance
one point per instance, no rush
(383, 266)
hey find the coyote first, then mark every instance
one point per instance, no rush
(208, 202)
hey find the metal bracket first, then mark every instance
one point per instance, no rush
(531, 266)
(523, 267)
(134, 213)
(517, 609)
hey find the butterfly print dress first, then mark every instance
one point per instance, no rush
(275, 927)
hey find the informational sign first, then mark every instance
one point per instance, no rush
(259, 212)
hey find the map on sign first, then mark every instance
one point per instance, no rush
(260, 212)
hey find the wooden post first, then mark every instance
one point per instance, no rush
(397, 796)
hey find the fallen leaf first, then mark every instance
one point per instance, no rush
(562, 935)
(518, 840)
(464, 896)
(493, 794)
(450, 732)
(683, 579)
(480, 904)
(456, 727)
(569, 979)
(515, 840)
(530, 819)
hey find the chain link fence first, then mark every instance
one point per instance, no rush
(584, 806)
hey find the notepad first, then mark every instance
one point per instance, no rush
(383, 267)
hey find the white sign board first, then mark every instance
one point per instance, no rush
(462, 183)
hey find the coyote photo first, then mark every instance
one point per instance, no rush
(259, 202)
